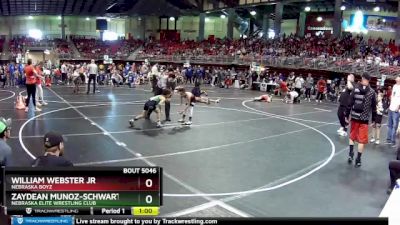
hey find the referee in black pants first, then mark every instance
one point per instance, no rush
(158, 90)
(93, 70)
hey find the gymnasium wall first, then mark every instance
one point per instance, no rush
(289, 26)
(50, 25)
(188, 26)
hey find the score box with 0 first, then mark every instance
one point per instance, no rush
(99, 186)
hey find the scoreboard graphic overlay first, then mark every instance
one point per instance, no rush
(82, 191)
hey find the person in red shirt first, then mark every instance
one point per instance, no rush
(31, 76)
(321, 87)
(283, 88)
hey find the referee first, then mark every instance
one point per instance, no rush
(162, 85)
(92, 70)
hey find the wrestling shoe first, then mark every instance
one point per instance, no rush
(350, 158)
(132, 123)
(343, 133)
(217, 101)
(159, 124)
(44, 103)
(38, 104)
(377, 142)
(37, 109)
(188, 123)
(340, 130)
(372, 140)
(181, 121)
(358, 163)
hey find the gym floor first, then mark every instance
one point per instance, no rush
(239, 158)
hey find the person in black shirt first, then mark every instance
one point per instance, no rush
(54, 150)
(344, 103)
(394, 169)
(362, 104)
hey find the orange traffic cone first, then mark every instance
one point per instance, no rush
(20, 104)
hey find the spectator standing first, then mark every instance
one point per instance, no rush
(321, 87)
(54, 151)
(12, 75)
(376, 125)
(5, 149)
(309, 83)
(39, 89)
(344, 104)
(3, 77)
(393, 113)
(93, 71)
(290, 80)
(31, 76)
(298, 86)
(389, 93)
(362, 104)
(64, 70)
(394, 170)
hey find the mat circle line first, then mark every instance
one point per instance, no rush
(12, 95)
(211, 194)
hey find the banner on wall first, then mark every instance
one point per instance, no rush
(319, 24)
(360, 22)
(381, 23)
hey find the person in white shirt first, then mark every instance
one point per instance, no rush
(298, 85)
(92, 70)
(64, 73)
(394, 115)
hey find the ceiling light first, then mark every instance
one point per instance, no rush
(207, 19)
(343, 8)
(59, 17)
(87, 18)
(172, 18)
(108, 19)
(139, 18)
(30, 17)
(253, 13)
(223, 16)
(307, 9)
(384, 20)
(377, 9)
(319, 19)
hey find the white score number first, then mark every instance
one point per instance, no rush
(149, 199)
(149, 183)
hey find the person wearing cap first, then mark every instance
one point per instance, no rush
(5, 149)
(54, 151)
(393, 113)
(362, 104)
